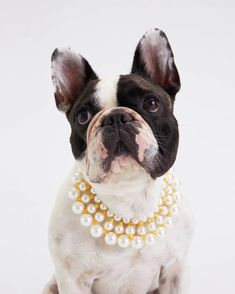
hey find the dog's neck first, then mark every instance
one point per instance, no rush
(130, 193)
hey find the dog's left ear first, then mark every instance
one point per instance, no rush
(154, 59)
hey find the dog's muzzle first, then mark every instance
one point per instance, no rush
(118, 126)
(119, 133)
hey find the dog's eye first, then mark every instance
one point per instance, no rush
(151, 104)
(83, 117)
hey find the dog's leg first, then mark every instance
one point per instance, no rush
(156, 291)
(51, 287)
(172, 279)
(68, 284)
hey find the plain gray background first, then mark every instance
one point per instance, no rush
(35, 154)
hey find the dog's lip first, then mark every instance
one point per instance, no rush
(121, 148)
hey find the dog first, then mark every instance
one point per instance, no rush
(124, 138)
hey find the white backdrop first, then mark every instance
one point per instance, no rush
(35, 153)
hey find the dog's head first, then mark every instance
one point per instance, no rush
(125, 121)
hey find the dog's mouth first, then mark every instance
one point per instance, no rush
(120, 141)
(121, 149)
(120, 146)
(123, 154)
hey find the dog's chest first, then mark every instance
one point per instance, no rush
(113, 269)
(125, 271)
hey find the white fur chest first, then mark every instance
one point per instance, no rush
(90, 264)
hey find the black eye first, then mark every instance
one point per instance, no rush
(83, 117)
(151, 104)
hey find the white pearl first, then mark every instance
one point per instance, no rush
(78, 207)
(135, 220)
(91, 208)
(117, 218)
(176, 183)
(96, 231)
(109, 213)
(137, 242)
(73, 193)
(174, 209)
(110, 238)
(144, 219)
(160, 201)
(169, 190)
(119, 229)
(169, 200)
(85, 198)
(170, 178)
(177, 196)
(156, 209)
(164, 185)
(141, 230)
(86, 220)
(164, 210)
(168, 221)
(150, 239)
(99, 217)
(151, 215)
(160, 220)
(96, 199)
(82, 186)
(103, 206)
(76, 177)
(126, 220)
(108, 226)
(161, 232)
(152, 227)
(123, 241)
(130, 230)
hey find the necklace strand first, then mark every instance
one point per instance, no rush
(134, 232)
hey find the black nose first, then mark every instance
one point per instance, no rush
(117, 118)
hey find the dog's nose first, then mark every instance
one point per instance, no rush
(117, 118)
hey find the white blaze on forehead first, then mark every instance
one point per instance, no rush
(106, 92)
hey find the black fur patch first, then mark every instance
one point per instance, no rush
(132, 89)
(78, 132)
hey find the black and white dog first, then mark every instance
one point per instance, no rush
(124, 137)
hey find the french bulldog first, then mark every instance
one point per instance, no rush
(124, 138)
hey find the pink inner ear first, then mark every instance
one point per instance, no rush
(68, 77)
(73, 74)
(158, 60)
(156, 57)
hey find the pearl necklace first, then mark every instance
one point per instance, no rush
(125, 232)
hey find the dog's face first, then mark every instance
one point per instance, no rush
(122, 121)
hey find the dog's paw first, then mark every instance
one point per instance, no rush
(51, 287)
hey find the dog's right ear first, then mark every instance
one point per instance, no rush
(154, 59)
(70, 73)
